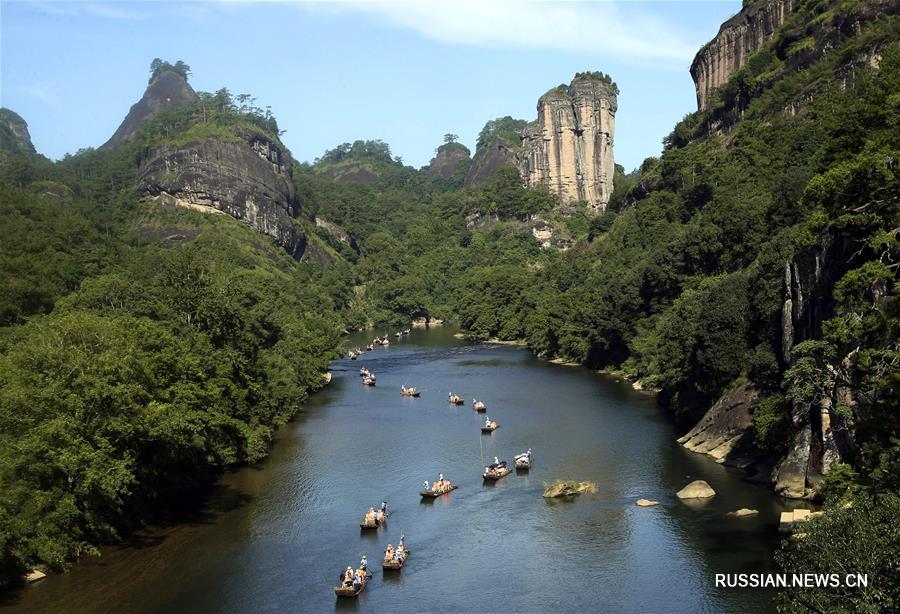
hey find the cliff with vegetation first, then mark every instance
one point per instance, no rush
(143, 348)
(738, 38)
(568, 149)
(168, 89)
(244, 173)
(14, 136)
(570, 146)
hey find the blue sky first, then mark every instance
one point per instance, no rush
(403, 72)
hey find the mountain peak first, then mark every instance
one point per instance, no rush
(168, 90)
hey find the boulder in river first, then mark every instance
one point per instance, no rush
(698, 489)
(562, 488)
(742, 513)
(646, 503)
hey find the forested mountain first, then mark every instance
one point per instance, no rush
(751, 270)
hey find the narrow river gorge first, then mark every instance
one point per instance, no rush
(274, 537)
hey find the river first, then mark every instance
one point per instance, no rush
(274, 537)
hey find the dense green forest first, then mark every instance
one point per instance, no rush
(133, 365)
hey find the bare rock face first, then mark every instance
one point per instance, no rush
(248, 178)
(490, 159)
(725, 432)
(570, 146)
(168, 91)
(447, 160)
(738, 37)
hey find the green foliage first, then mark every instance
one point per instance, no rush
(158, 66)
(505, 128)
(772, 424)
(377, 151)
(862, 538)
(599, 76)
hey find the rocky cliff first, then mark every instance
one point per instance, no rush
(167, 91)
(247, 177)
(569, 147)
(447, 160)
(738, 37)
(490, 158)
(14, 137)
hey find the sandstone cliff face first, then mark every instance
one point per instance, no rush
(248, 178)
(168, 91)
(738, 37)
(570, 146)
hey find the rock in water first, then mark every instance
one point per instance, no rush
(646, 502)
(562, 488)
(698, 489)
(743, 513)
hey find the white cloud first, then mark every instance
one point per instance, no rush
(40, 92)
(104, 10)
(583, 27)
(109, 10)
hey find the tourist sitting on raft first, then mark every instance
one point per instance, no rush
(347, 577)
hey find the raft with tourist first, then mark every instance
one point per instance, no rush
(394, 558)
(489, 425)
(409, 392)
(353, 582)
(438, 488)
(374, 518)
(496, 470)
(454, 399)
(523, 461)
(369, 380)
(478, 406)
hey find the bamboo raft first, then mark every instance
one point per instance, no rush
(496, 473)
(455, 400)
(409, 392)
(431, 493)
(349, 591)
(523, 464)
(394, 563)
(375, 522)
(490, 427)
(369, 381)
(479, 406)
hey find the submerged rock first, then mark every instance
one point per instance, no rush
(646, 503)
(562, 488)
(697, 489)
(743, 513)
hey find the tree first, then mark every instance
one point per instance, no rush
(450, 138)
